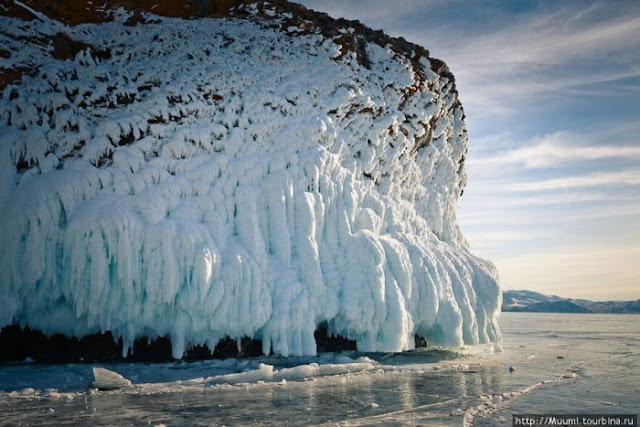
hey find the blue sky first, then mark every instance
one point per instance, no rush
(551, 91)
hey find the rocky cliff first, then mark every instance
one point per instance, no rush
(225, 169)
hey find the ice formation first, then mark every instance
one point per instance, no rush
(198, 179)
(105, 379)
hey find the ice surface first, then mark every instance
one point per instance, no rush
(600, 365)
(264, 372)
(218, 178)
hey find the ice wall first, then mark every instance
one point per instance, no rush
(225, 177)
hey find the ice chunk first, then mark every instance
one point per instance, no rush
(104, 379)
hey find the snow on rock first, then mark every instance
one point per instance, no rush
(233, 177)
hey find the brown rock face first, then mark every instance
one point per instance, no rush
(82, 12)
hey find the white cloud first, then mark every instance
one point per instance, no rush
(549, 40)
(609, 212)
(556, 149)
(598, 179)
(544, 55)
(477, 223)
(568, 198)
(504, 236)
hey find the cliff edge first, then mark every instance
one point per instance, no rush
(226, 169)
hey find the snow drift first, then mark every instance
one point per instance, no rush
(254, 175)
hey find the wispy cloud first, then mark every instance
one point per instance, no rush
(544, 54)
(556, 149)
(552, 39)
(516, 220)
(505, 236)
(570, 198)
(566, 199)
(598, 179)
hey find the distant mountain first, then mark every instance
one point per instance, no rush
(563, 306)
(529, 301)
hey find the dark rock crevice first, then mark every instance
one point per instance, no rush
(18, 344)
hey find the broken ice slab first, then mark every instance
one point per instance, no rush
(104, 379)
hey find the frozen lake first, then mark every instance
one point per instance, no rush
(571, 363)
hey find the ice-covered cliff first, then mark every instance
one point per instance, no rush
(255, 174)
